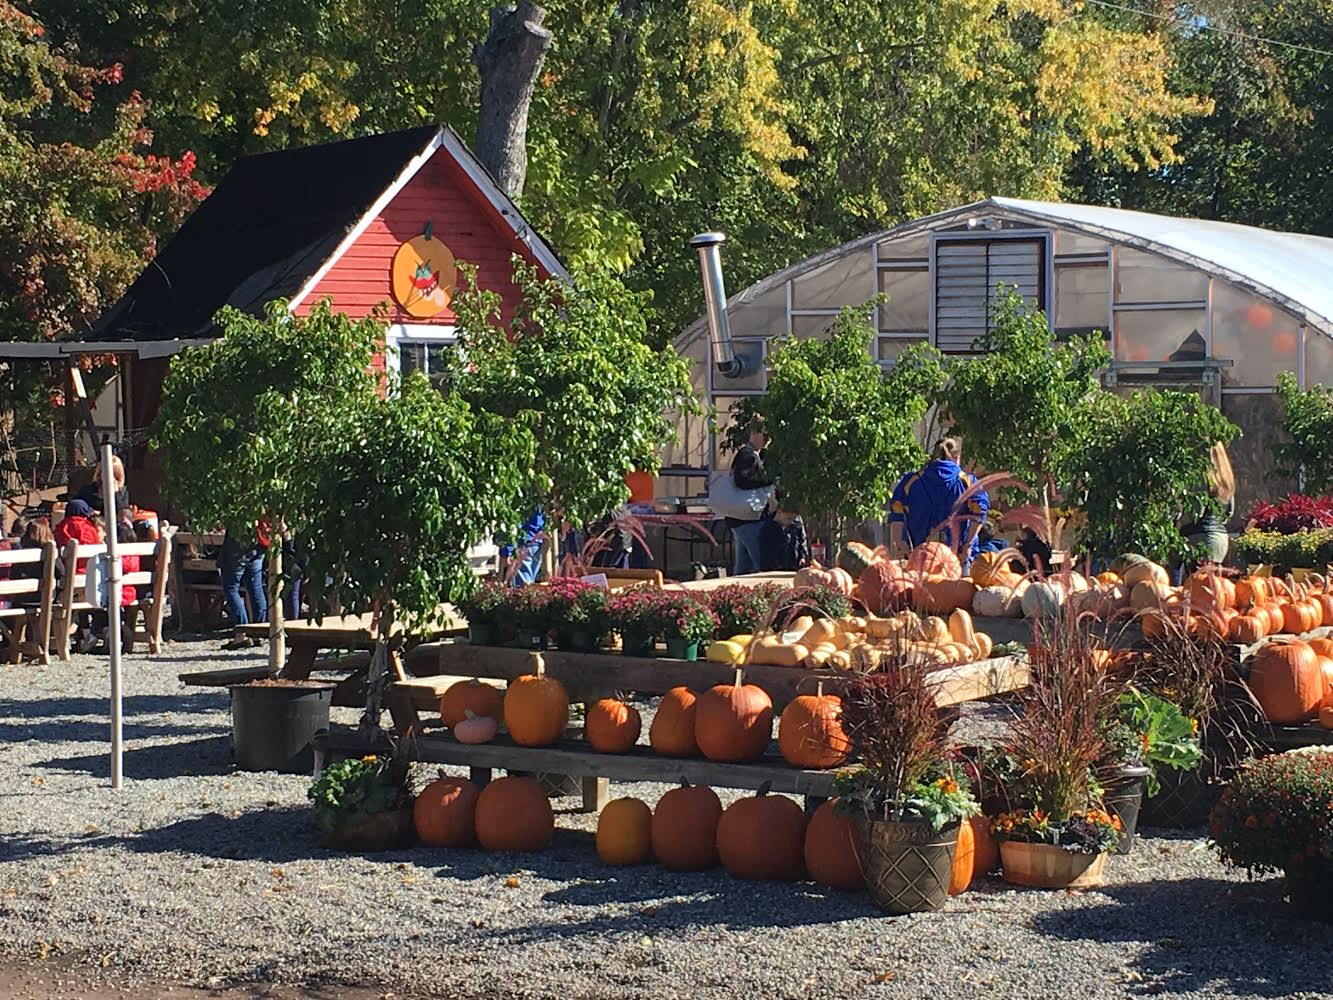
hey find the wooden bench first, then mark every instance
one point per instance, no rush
(150, 585)
(26, 629)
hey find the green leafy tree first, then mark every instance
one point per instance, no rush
(574, 367)
(841, 431)
(1307, 418)
(1141, 464)
(245, 418)
(1018, 405)
(407, 484)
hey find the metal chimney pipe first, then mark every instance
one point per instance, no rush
(715, 303)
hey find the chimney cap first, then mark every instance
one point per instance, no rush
(707, 239)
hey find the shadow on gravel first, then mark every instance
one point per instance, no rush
(79, 708)
(1207, 935)
(210, 755)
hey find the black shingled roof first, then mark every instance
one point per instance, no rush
(262, 233)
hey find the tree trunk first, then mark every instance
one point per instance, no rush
(381, 667)
(277, 634)
(508, 62)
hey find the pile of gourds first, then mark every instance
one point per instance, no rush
(852, 642)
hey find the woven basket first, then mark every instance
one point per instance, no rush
(907, 865)
(1182, 803)
(1045, 866)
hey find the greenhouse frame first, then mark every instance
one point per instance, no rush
(1213, 307)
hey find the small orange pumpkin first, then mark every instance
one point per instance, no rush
(473, 696)
(672, 731)
(536, 708)
(1247, 629)
(1326, 718)
(1322, 645)
(625, 832)
(612, 726)
(1251, 590)
(810, 732)
(964, 860)
(833, 849)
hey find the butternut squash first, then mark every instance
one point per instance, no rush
(725, 651)
(985, 646)
(773, 652)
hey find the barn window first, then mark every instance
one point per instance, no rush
(967, 272)
(422, 350)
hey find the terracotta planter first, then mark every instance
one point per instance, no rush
(386, 831)
(1045, 866)
(907, 865)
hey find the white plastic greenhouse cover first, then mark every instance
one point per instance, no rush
(1291, 269)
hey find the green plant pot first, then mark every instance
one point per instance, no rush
(481, 635)
(529, 639)
(682, 649)
(638, 645)
(577, 641)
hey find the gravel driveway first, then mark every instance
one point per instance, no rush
(195, 873)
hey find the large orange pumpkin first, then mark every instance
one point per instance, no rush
(1287, 681)
(672, 731)
(1300, 616)
(536, 708)
(477, 697)
(964, 860)
(762, 837)
(733, 722)
(883, 587)
(991, 569)
(1248, 629)
(833, 849)
(1326, 668)
(514, 814)
(444, 813)
(1207, 591)
(612, 726)
(684, 828)
(625, 832)
(934, 559)
(810, 732)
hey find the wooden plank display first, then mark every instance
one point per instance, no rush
(589, 676)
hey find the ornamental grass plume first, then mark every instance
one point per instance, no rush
(1059, 734)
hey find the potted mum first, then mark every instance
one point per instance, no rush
(634, 614)
(527, 610)
(741, 610)
(577, 612)
(1149, 733)
(1277, 815)
(364, 804)
(1057, 834)
(483, 610)
(907, 798)
(686, 622)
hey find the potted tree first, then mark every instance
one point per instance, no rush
(1057, 833)
(907, 798)
(364, 804)
(1277, 815)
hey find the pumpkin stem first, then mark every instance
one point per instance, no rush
(740, 677)
(819, 689)
(539, 664)
(469, 714)
(763, 789)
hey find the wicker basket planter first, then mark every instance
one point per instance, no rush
(907, 865)
(1045, 866)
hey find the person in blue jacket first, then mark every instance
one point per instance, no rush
(925, 505)
(527, 554)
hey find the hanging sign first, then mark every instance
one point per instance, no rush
(423, 275)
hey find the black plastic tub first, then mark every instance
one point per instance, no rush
(273, 724)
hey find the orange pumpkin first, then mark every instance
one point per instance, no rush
(810, 732)
(1299, 617)
(1251, 590)
(1210, 624)
(833, 849)
(684, 829)
(883, 587)
(941, 595)
(536, 708)
(1287, 680)
(964, 860)
(1272, 610)
(762, 838)
(625, 832)
(1247, 629)
(1109, 579)
(991, 569)
(934, 559)
(985, 849)
(1326, 668)
(514, 814)
(672, 731)
(444, 813)
(1207, 591)
(733, 722)
(1326, 718)
(1323, 645)
(477, 697)
(612, 726)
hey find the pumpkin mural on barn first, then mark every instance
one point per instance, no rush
(423, 276)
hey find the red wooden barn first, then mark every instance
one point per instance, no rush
(374, 221)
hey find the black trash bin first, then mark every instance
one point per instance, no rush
(273, 724)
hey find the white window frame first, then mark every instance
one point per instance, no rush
(411, 333)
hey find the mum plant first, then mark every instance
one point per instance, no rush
(741, 610)
(485, 606)
(635, 613)
(1277, 815)
(576, 605)
(683, 615)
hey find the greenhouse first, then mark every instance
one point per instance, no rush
(1214, 307)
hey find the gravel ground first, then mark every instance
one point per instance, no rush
(197, 874)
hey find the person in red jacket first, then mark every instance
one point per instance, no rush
(77, 526)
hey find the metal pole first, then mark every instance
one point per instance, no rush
(113, 615)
